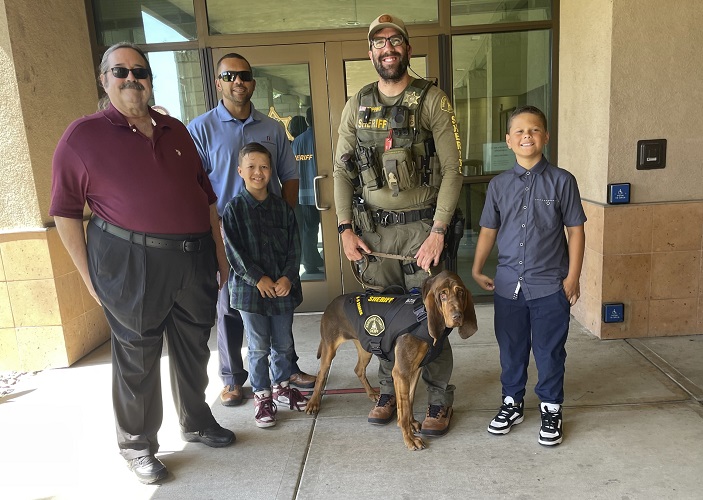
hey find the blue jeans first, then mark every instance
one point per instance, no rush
(269, 335)
(542, 325)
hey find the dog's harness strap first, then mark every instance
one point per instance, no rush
(420, 312)
(375, 343)
(375, 346)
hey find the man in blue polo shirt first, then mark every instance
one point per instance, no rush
(219, 134)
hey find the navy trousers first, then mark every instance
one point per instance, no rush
(541, 325)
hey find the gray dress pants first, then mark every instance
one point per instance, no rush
(149, 294)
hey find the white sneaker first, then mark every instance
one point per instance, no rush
(509, 414)
(264, 409)
(289, 396)
(550, 432)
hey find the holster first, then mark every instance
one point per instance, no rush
(455, 231)
(363, 219)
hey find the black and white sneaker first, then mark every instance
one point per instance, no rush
(509, 414)
(550, 432)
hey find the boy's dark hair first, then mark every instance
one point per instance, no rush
(254, 147)
(527, 109)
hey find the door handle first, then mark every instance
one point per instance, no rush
(317, 192)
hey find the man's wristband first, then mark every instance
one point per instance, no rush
(343, 227)
(438, 230)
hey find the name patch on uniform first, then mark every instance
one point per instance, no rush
(374, 325)
(380, 298)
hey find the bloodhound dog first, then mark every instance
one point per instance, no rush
(448, 304)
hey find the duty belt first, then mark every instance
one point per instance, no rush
(386, 218)
(186, 245)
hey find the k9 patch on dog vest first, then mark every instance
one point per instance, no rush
(374, 325)
(381, 319)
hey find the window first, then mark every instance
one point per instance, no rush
(265, 16)
(178, 85)
(493, 74)
(143, 21)
(473, 12)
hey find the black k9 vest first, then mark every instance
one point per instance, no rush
(380, 319)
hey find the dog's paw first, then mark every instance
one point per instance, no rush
(414, 443)
(416, 426)
(374, 397)
(312, 407)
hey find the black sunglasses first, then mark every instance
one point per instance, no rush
(230, 76)
(121, 72)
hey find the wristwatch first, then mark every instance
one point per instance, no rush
(343, 227)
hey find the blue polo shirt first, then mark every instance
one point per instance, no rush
(530, 209)
(218, 138)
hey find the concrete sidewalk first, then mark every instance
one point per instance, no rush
(633, 429)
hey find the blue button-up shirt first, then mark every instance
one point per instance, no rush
(218, 137)
(530, 209)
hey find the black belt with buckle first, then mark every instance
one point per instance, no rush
(189, 245)
(386, 218)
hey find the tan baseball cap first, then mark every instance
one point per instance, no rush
(387, 21)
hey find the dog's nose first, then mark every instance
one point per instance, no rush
(457, 317)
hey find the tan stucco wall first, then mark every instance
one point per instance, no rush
(657, 93)
(18, 198)
(629, 70)
(584, 93)
(47, 81)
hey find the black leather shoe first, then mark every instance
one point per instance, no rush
(215, 436)
(148, 469)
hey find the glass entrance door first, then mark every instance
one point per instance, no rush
(290, 79)
(290, 85)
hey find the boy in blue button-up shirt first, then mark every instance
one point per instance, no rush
(537, 278)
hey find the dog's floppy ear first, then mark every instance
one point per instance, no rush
(470, 325)
(435, 320)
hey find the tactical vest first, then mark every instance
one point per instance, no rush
(392, 135)
(380, 319)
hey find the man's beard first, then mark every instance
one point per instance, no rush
(392, 74)
(240, 99)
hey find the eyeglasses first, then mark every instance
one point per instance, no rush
(379, 43)
(230, 76)
(121, 72)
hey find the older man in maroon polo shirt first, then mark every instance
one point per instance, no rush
(152, 256)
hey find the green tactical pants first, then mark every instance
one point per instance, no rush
(405, 240)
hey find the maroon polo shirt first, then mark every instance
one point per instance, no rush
(145, 185)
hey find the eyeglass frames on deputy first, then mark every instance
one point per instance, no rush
(122, 72)
(230, 76)
(380, 42)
